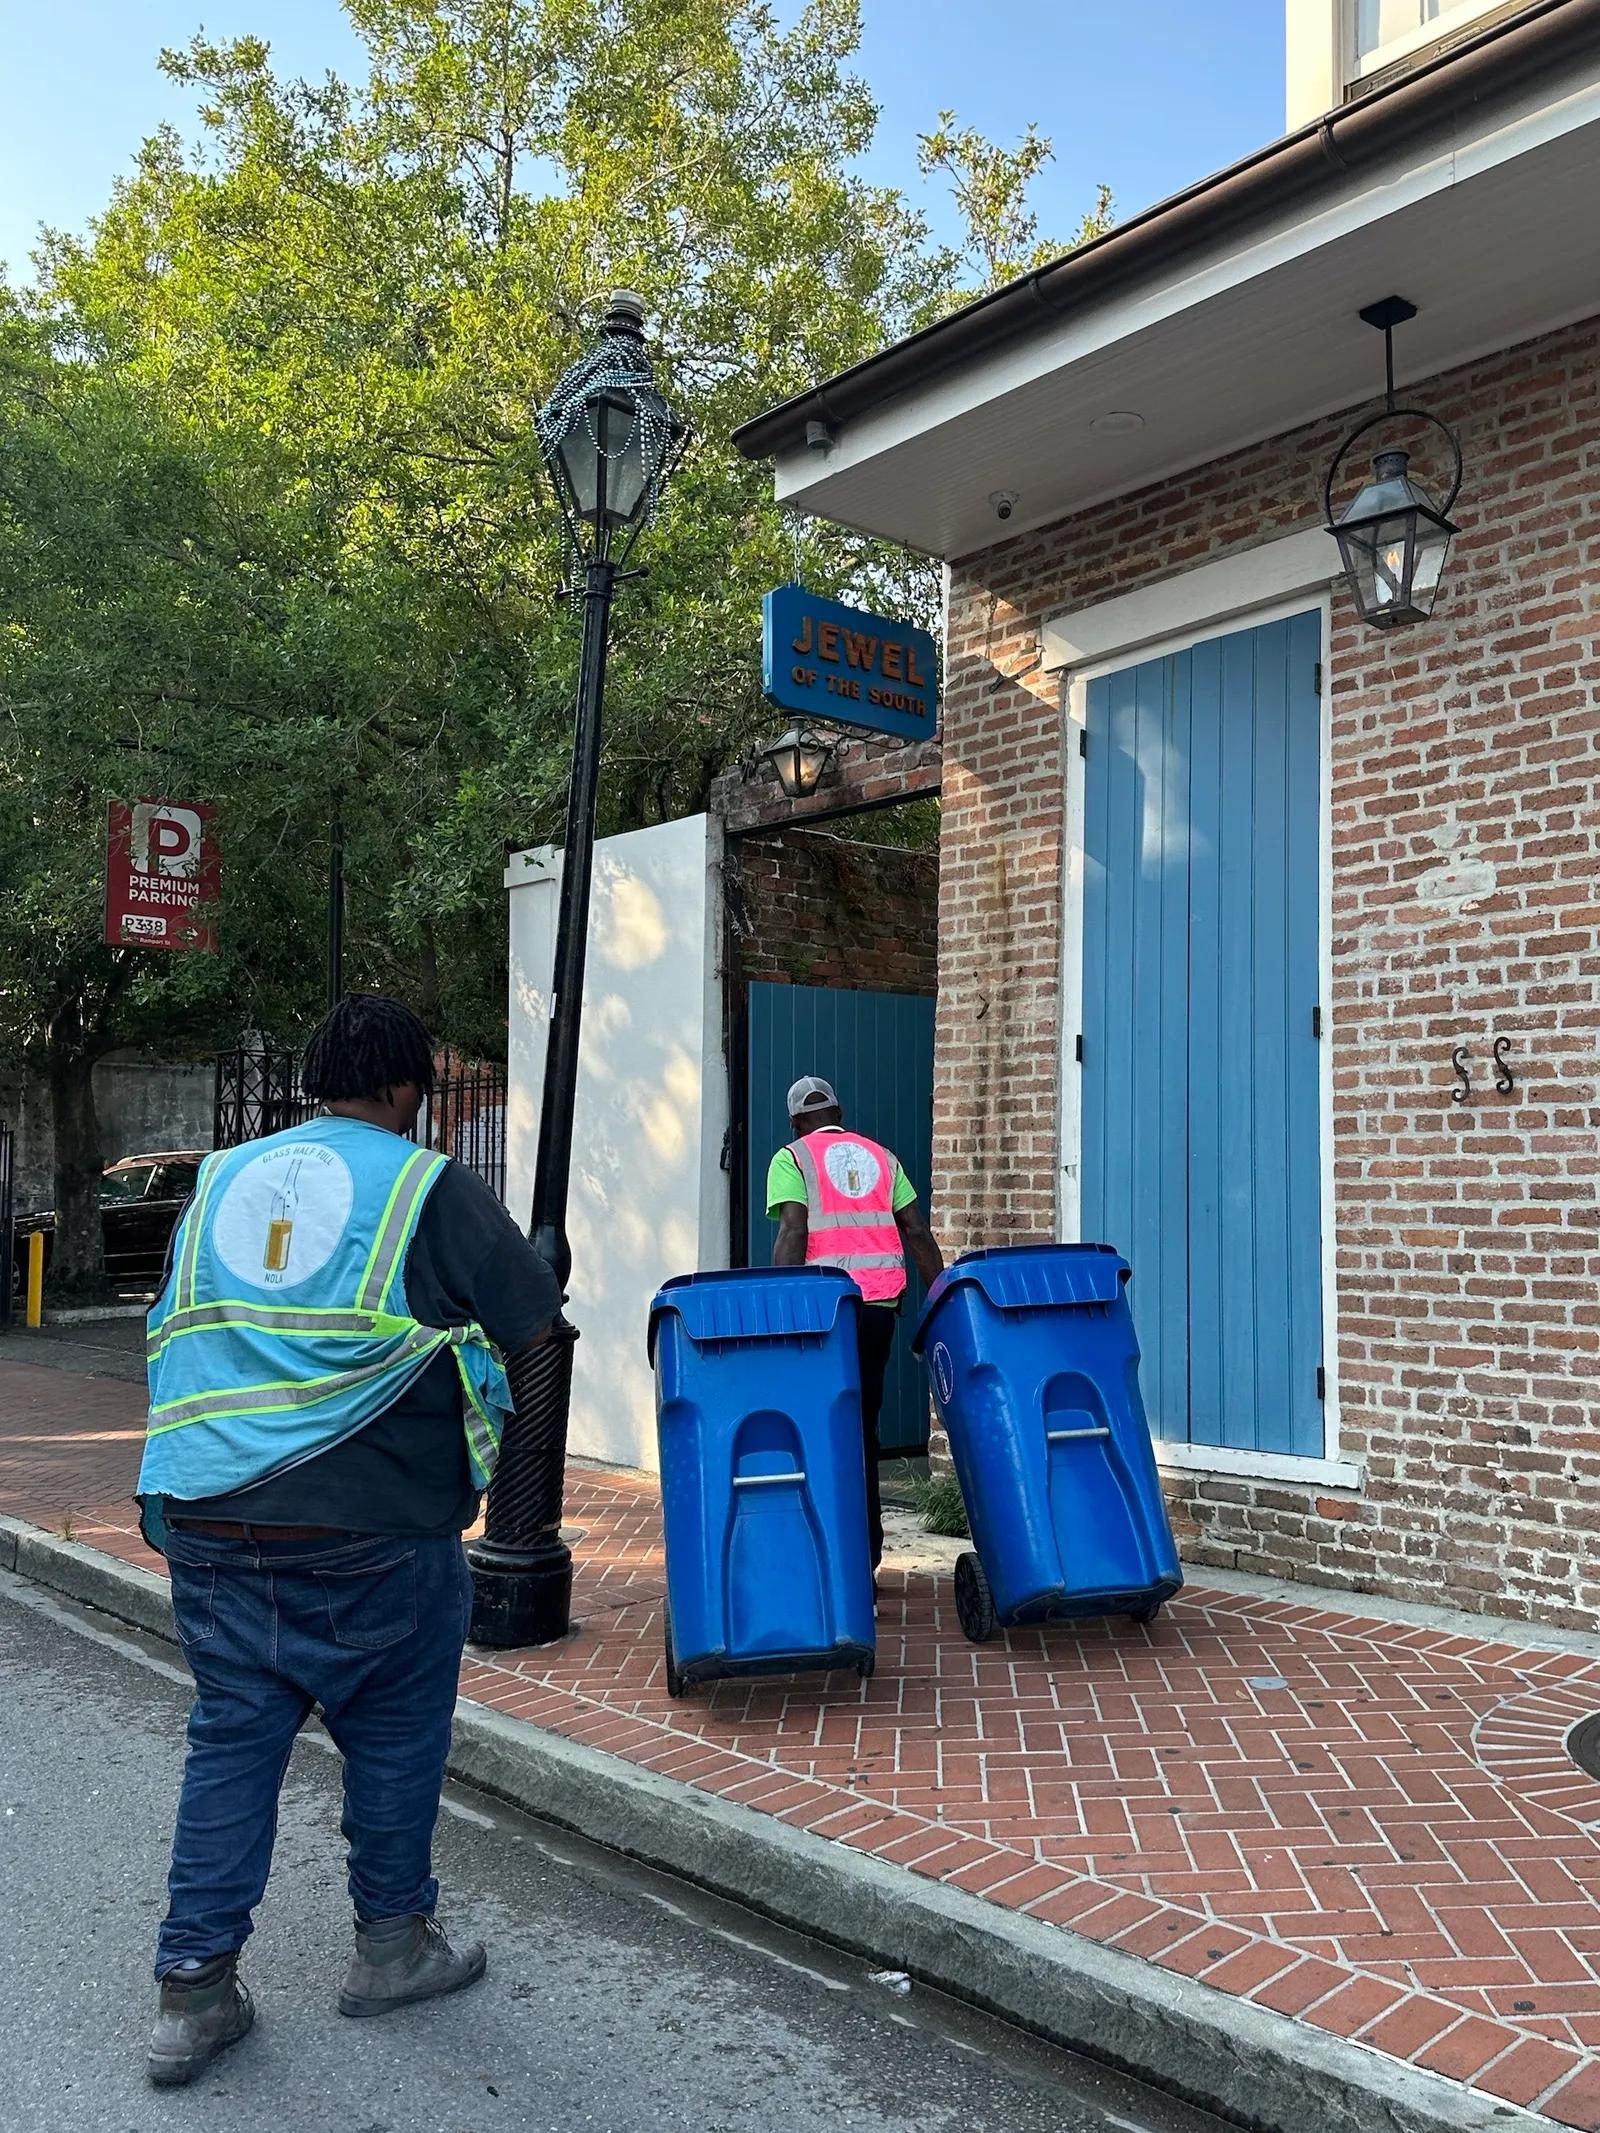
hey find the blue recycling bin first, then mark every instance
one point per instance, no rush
(1035, 1370)
(763, 1483)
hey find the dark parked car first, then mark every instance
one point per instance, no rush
(141, 1199)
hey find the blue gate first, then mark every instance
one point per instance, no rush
(1200, 1080)
(877, 1050)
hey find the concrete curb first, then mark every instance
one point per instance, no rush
(1260, 2070)
(125, 1590)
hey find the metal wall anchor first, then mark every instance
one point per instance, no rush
(1503, 1078)
(1462, 1092)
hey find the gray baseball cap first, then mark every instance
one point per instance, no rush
(811, 1093)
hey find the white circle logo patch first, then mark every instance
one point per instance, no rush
(942, 1372)
(283, 1215)
(854, 1170)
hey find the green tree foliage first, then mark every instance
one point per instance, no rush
(142, 591)
(271, 507)
(990, 185)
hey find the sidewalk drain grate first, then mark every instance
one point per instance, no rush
(1583, 1744)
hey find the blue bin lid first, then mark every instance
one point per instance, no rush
(753, 1303)
(1032, 1277)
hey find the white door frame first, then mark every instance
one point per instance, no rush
(1191, 626)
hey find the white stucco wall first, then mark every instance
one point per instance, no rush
(1313, 44)
(649, 1197)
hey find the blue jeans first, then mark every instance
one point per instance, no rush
(372, 1631)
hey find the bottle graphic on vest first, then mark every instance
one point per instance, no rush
(280, 1225)
(855, 1181)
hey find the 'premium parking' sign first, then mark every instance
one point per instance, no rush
(163, 875)
(827, 661)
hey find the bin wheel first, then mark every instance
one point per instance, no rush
(674, 1678)
(865, 1667)
(1148, 1612)
(974, 1601)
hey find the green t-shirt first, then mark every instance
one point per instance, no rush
(784, 1182)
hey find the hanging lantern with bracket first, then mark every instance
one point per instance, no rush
(799, 759)
(1393, 538)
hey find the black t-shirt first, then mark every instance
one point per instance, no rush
(406, 1472)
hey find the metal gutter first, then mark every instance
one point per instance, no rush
(1316, 158)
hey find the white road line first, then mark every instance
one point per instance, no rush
(737, 1940)
(467, 1814)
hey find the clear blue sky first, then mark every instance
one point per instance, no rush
(1146, 94)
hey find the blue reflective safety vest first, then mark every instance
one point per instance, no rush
(284, 1327)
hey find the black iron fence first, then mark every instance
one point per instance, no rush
(466, 1117)
(258, 1092)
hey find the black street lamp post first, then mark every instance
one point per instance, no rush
(609, 440)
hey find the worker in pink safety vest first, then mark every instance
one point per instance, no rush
(842, 1200)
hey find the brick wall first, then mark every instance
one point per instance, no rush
(1466, 821)
(811, 909)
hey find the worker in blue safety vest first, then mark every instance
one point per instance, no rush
(842, 1200)
(327, 1392)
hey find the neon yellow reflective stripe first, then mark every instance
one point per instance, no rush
(194, 1222)
(293, 1318)
(286, 1314)
(309, 1323)
(383, 1229)
(394, 1231)
(483, 1432)
(197, 1214)
(287, 1394)
(415, 1181)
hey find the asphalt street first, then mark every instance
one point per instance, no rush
(617, 2001)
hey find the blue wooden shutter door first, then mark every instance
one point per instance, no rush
(877, 1050)
(1201, 1116)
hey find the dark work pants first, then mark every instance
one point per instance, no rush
(369, 1629)
(874, 1343)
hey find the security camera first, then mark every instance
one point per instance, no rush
(1004, 502)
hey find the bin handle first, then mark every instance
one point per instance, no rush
(1072, 1436)
(765, 1481)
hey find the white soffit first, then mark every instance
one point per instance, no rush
(1494, 235)
(1211, 592)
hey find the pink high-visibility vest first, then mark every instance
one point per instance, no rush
(850, 1223)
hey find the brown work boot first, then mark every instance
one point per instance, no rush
(398, 1960)
(203, 2010)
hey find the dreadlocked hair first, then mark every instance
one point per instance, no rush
(366, 1044)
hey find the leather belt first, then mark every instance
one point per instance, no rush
(239, 1529)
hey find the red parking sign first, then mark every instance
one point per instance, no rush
(163, 875)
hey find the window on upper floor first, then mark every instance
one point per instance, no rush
(1386, 31)
(1380, 22)
(1338, 49)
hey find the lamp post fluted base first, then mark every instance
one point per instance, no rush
(522, 1569)
(520, 1596)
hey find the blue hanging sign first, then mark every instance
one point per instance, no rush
(832, 662)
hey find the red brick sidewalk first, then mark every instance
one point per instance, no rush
(1391, 1845)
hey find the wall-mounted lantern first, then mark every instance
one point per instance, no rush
(799, 758)
(1393, 539)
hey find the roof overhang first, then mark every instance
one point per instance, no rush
(1230, 314)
